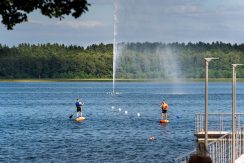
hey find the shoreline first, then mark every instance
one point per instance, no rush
(123, 80)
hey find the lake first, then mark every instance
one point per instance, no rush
(35, 124)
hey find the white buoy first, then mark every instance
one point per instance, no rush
(126, 112)
(112, 107)
(138, 114)
(119, 109)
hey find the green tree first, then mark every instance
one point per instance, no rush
(15, 11)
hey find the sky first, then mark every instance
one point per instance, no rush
(136, 21)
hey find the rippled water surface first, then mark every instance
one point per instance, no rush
(35, 124)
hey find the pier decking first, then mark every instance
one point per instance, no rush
(212, 135)
(219, 137)
(240, 159)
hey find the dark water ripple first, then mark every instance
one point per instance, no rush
(35, 124)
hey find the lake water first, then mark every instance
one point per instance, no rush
(35, 124)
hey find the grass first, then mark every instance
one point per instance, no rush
(52, 80)
(122, 80)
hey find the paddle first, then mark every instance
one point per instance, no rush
(71, 116)
(174, 116)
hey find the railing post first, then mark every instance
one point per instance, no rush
(207, 60)
(233, 109)
(242, 138)
(196, 123)
(206, 105)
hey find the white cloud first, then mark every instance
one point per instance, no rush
(186, 9)
(139, 20)
(76, 24)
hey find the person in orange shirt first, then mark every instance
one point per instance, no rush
(164, 107)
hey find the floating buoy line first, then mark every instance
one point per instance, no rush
(114, 93)
(125, 111)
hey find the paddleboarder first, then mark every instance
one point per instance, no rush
(164, 107)
(79, 105)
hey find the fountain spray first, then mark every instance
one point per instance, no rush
(114, 43)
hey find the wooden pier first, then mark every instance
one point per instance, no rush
(212, 135)
(240, 159)
(220, 137)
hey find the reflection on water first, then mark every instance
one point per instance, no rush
(35, 124)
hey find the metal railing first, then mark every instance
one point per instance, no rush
(184, 158)
(218, 121)
(220, 150)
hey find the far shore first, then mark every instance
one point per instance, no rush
(124, 80)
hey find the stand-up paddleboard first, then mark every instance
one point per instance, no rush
(80, 119)
(164, 121)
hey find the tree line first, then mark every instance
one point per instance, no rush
(55, 61)
(180, 60)
(133, 60)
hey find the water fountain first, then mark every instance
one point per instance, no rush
(164, 65)
(115, 43)
(141, 61)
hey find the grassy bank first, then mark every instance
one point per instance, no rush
(122, 80)
(55, 80)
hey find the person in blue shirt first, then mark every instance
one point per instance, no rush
(79, 105)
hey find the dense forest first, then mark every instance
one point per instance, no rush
(133, 60)
(56, 61)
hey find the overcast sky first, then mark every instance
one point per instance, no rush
(137, 20)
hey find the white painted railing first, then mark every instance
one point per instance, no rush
(220, 150)
(218, 121)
